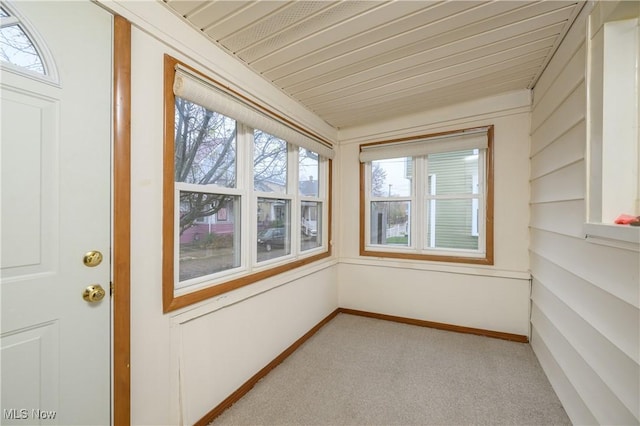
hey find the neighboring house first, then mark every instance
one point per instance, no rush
(219, 223)
(309, 211)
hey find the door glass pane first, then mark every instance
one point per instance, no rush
(205, 146)
(16, 48)
(450, 224)
(274, 228)
(209, 234)
(392, 177)
(390, 223)
(269, 163)
(310, 224)
(308, 166)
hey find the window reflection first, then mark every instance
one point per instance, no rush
(274, 224)
(209, 238)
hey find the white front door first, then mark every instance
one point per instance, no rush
(56, 207)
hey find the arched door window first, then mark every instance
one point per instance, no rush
(19, 47)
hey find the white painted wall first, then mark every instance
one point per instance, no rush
(489, 297)
(585, 298)
(186, 362)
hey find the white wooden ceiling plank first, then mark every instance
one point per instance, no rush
(415, 80)
(430, 61)
(475, 91)
(220, 29)
(382, 39)
(423, 101)
(481, 78)
(442, 78)
(266, 26)
(215, 11)
(344, 30)
(184, 7)
(325, 16)
(465, 25)
(505, 36)
(502, 38)
(385, 112)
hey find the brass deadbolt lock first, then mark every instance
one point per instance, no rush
(92, 258)
(94, 293)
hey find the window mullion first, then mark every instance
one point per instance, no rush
(367, 202)
(294, 193)
(482, 199)
(209, 189)
(248, 202)
(418, 211)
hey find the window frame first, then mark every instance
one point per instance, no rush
(250, 270)
(419, 219)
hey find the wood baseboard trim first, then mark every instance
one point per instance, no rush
(249, 384)
(438, 325)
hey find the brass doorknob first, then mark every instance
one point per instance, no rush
(92, 258)
(94, 293)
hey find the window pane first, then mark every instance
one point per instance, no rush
(205, 146)
(309, 166)
(274, 228)
(392, 177)
(16, 48)
(453, 173)
(390, 223)
(209, 234)
(450, 224)
(269, 163)
(310, 223)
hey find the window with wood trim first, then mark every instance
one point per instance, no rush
(246, 192)
(429, 197)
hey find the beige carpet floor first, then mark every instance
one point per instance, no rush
(363, 371)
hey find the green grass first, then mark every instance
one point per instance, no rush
(398, 240)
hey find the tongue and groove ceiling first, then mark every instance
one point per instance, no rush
(357, 62)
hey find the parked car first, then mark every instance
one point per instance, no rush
(271, 237)
(309, 227)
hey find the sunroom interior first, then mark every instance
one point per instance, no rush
(366, 206)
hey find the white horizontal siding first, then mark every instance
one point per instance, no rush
(605, 406)
(567, 149)
(585, 312)
(573, 41)
(610, 316)
(615, 368)
(574, 405)
(563, 217)
(570, 112)
(614, 270)
(563, 184)
(561, 88)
